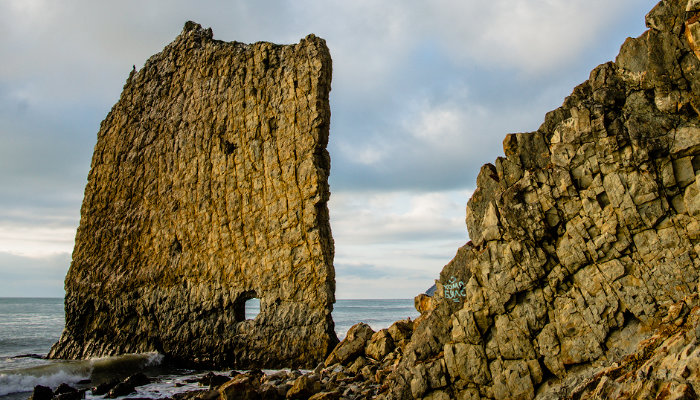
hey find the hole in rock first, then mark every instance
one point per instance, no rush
(252, 308)
(247, 306)
(227, 147)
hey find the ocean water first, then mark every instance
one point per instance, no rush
(28, 328)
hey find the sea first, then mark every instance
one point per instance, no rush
(30, 326)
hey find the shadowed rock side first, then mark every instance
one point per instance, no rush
(208, 187)
(581, 238)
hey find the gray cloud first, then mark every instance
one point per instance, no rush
(423, 95)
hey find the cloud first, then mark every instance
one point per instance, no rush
(32, 276)
(530, 36)
(398, 239)
(423, 94)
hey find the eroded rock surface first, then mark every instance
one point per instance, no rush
(208, 186)
(582, 237)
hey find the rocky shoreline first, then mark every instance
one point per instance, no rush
(665, 364)
(355, 369)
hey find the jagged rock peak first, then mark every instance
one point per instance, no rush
(584, 242)
(209, 187)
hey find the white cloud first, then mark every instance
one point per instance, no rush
(419, 103)
(33, 276)
(394, 244)
(36, 242)
(531, 36)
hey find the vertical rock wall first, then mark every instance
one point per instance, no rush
(208, 186)
(581, 237)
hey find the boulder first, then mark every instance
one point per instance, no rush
(379, 345)
(352, 346)
(304, 387)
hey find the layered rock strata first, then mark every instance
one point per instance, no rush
(582, 236)
(208, 187)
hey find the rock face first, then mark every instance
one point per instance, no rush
(582, 238)
(208, 187)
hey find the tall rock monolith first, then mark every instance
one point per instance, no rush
(209, 187)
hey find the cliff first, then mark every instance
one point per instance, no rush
(208, 187)
(582, 269)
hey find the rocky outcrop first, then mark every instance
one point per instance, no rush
(583, 237)
(208, 187)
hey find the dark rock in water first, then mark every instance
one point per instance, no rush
(77, 395)
(84, 381)
(64, 388)
(213, 148)
(29, 355)
(41, 393)
(104, 387)
(121, 389)
(352, 346)
(137, 379)
(212, 380)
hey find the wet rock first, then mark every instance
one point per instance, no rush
(121, 389)
(213, 380)
(138, 379)
(64, 388)
(41, 393)
(104, 387)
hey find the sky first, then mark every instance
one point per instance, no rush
(423, 94)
